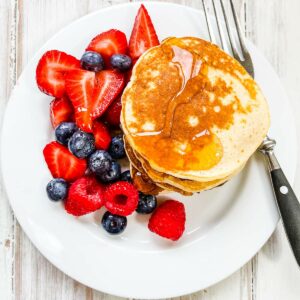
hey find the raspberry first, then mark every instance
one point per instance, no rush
(121, 198)
(112, 115)
(102, 136)
(85, 195)
(168, 220)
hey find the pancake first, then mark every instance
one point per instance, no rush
(192, 112)
(185, 184)
(164, 180)
(143, 182)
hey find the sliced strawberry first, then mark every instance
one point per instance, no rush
(61, 110)
(91, 94)
(102, 136)
(62, 163)
(108, 43)
(143, 36)
(109, 84)
(51, 70)
(80, 87)
(113, 113)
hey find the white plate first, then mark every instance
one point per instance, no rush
(225, 226)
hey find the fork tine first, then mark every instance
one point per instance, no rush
(220, 30)
(208, 23)
(238, 29)
(229, 32)
(247, 62)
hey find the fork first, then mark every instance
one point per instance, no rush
(286, 199)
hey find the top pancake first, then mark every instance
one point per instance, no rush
(192, 111)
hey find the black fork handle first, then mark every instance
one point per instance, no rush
(288, 204)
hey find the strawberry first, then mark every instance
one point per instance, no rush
(113, 113)
(109, 43)
(80, 88)
(62, 163)
(168, 220)
(85, 196)
(109, 84)
(51, 70)
(143, 35)
(61, 110)
(91, 94)
(102, 136)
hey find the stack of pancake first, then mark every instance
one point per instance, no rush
(191, 116)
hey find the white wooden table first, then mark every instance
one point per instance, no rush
(273, 25)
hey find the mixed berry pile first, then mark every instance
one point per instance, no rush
(84, 158)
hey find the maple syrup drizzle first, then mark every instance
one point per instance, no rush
(143, 183)
(185, 140)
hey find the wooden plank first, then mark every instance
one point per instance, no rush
(38, 21)
(8, 21)
(239, 285)
(35, 277)
(272, 26)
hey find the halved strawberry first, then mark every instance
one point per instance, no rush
(102, 136)
(61, 110)
(91, 94)
(109, 84)
(80, 88)
(143, 34)
(62, 163)
(113, 113)
(108, 43)
(51, 70)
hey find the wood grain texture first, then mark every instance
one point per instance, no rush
(24, 274)
(273, 27)
(7, 81)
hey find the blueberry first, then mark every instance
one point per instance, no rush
(57, 189)
(147, 204)
(116, 148)
(100, 162)
(82, 144)
(112, 174)
(114, 224)
(92, 61)
(125, 176)
(64, 131)
(121, 62)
